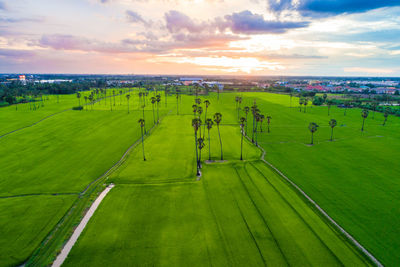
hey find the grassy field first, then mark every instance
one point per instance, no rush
(355, 178)
(46, 166)
(239, 213)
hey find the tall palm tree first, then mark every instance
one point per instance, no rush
(364, 115)
(262, 118)
(207, 103)
(246, 110)
(329, 103)
(200, 143)
(127, 99)
(301, 101)
(91, 101)
(194, 107)
(78, 95)
(239, 102)
(217, 120)
(158, 99)
(332, 124)
(153, 101)
(209, 123)
(257, 121)
(142, 126)
(325, 96)
(374, 105)
(242, 122)
(86, 99)
(198, 101)
(268, 121)
(313, 127)
(143, 106)
(385, 115)
(199, 112)
(196, 124)
(177, 103)
(305, 102)
(254, 111)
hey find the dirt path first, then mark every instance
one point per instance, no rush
(323, 212)
(71, 242)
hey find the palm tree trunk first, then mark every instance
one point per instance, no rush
(205, 118)
(268, 127)
(312, 138)
(128, 106)
(362, 127)
(252, 136)
(154, 116)
(220, 141)
(241, 145)
(158, 115)
(261, 127)
(145, 124)
(246, 125)
(144, 158)
(197, 155)
(332, 135)
(209, 145)
(256, 135)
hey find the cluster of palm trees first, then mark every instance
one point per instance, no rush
(155, 101)
(199, 136)
(303, 101)
(313, 127)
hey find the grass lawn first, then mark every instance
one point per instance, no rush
(25, 222)
(239, 213)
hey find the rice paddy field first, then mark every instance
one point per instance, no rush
(238, 213)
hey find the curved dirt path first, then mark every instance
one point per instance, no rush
(77, 232)
(322, 211)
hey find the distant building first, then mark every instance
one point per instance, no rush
(189, 81)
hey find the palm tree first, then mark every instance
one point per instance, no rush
(200, 143)
(257, 121)
(313, 127)
(364, 115)
(127, 99)
(305, 102)
(385, 115)
(78, 95)
(246, 110)
(262, 118)
(143, 106)
(153, 101)
(325, 96)
(91, 101)
(301, 101)
(207, 103)
(254, 111)
(209, 123)
(239, 102)
(217, 120)
(329, 103)
(142, 126)
(268, 121)
(120, 97)
(242, 122)
(194, 107)
(114, 96)
(158, 99)
(86, 99)
(177, 103)
(374, 105)
(199, 111)
(332, 124)
(196, 124)
(197, 101)
(166, 91)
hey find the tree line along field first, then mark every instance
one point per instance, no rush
(238, 212)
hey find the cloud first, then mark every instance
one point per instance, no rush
(15, 53)
(17, 20)
(3, 6)
(246, 22)
(317, 8)
(134, 17)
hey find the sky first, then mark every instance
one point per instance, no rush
(201, 37)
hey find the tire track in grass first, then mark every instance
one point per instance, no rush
(219, 228)
(322, 212)
(262, 217)
(293, 209)
(249, 230)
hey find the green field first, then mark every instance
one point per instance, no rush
(238, 212)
